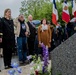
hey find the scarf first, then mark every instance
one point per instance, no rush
(44, 27)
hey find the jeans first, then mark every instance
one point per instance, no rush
(22, 48)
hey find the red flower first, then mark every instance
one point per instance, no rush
(36, 73)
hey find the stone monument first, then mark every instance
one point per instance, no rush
(64, 58)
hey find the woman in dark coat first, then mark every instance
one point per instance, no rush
(8, 39)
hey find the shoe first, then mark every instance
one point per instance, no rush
(27, 61)
(6, 67)
(10, 67)
(21, 62)
(0, 70)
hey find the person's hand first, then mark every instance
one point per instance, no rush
(0, 40)
(50, 41)
(40, 43)
(26, 33)
(74, 28)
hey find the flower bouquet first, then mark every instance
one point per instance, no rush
(41, 67)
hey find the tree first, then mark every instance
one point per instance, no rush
(38, 8)
(41, 9)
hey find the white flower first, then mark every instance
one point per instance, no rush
(32, 63)
(31, 68)
(38, 68)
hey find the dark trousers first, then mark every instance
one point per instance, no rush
(7, 56)
(31, 46)
(36, 46)
(22, 48)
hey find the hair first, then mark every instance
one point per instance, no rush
(44, 19)
(21, 15)
(6, 10)
(29, 15)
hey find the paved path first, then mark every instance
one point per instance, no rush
(14, 59)
(25, 68)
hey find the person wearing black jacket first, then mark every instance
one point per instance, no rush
(8, 38)
(1, 39)
(31, 38)
(0, 35)
(70, 29)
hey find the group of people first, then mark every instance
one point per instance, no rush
(28, 38)
(25, 33)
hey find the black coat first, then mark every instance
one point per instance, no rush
(8, 39)
(0, 28)
(70, 29)
(0, 32)
(32, 31)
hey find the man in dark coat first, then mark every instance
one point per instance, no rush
(31, 38)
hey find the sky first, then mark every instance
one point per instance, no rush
(14, 5)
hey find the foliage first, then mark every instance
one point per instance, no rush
(38, 8)
(38, 67)
(41, 67)
(42, 9)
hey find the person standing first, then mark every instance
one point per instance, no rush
(8, 39)
(0, 37)
(31, 38)
(22, 32)
(1, 34)
(44, 34)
